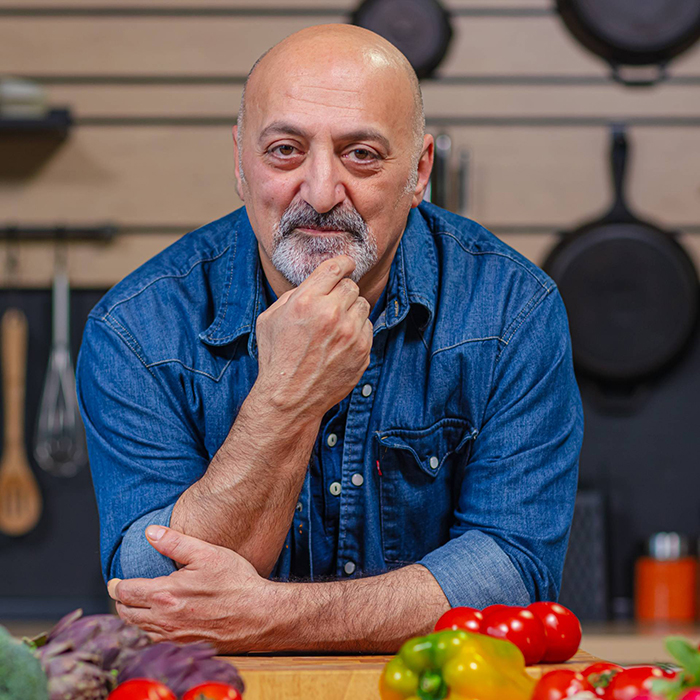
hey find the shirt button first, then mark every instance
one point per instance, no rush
(434, 461)
(299, 507)
(366, 390)
(332, 440)
(357, 479)
(335, 488)
(349, 567)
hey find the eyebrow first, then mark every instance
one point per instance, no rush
(281, 127)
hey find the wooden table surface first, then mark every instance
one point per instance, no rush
(335, 677)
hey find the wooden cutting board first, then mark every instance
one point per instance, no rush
(335, 677)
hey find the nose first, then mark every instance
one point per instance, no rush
(322, 186)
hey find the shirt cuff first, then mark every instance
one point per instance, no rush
(474, 571)
(138, 558)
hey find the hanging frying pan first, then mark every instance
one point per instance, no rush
(420, 29)
(633, 32)
(630, 289)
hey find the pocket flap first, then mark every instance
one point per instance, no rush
(429, 446)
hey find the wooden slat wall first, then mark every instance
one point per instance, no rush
(155, 93)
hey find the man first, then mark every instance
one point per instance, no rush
(325, 418)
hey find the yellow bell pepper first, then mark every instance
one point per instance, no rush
(456, 665)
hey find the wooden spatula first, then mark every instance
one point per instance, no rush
(20, 498)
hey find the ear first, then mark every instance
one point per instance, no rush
(425, 167)
(236, 162)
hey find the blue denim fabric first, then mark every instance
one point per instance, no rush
(325, 469)
(466, 426)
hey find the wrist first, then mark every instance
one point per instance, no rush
(285, 617)
(272, 409)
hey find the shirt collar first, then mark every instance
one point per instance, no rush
(412, 285)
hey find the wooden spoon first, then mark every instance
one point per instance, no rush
(20, 498)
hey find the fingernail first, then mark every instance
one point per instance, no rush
(154, 532)
(111, 587)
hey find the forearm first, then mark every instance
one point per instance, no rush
(370, 615)
(245, 501)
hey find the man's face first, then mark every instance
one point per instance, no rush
(328, 157)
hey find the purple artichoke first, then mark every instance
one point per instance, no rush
(106, 637)
(81, 656)
(75, 675)
(180, 667)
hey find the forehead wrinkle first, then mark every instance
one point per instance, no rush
(315, 86)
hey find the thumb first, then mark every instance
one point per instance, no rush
(179, 547)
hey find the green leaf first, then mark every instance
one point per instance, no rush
(667, 688)
(687, 655)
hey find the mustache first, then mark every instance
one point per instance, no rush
(303, 215)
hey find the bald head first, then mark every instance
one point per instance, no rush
(345, 50)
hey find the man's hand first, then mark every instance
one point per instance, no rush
(314, 342)
(217, 596)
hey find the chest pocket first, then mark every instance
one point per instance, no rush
(421, 475)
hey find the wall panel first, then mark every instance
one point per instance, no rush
(222, 46)
(151, 175)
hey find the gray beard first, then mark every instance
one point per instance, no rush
(296, 255)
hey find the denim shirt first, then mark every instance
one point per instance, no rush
(460, 442)
(325, 476)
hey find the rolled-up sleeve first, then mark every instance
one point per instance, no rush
(514, 510)
(144, 451)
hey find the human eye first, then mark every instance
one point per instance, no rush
(363, 155)
(283, 150)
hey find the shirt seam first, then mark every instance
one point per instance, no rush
(190, 369)
(162, 277)
(112, 323)
(493, 252)
(524, 314)
(469, 340)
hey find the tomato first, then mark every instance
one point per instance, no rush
(460, 618)
(691, 695)
(600, 674)
(635, 682)
(560, 684)
(212, 691)
(562, 628)
(142, 689)
(492, 608)
(521, 627)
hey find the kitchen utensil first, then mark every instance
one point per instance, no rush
(20, 498)
(59, 445)
(633, 32)
(464, 184)
(630, 289)
(420, 29)
(440, 178)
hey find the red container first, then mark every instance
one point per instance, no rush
(666, 581)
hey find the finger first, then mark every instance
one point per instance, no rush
(324, 278)
(135, 591)
(346, 293)
(135, 616)
(179, 547)
(360, 308)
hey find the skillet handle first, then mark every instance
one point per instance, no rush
(636, 77)
(618, 162)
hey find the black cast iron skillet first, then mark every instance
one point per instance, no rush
(634, 32)
(420, 29)
(630, 289)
